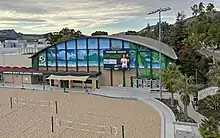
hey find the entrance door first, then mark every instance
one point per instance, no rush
(64, 83)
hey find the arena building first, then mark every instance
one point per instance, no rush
(120, 60)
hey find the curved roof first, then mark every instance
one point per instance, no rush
(144, 41)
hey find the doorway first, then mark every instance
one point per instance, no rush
(64, 84)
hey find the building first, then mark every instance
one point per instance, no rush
(15, 43)
(68, 63)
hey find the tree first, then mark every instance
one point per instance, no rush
(210, 8)
(178, 32)
(131, 33)
(99, 33)
(169, 76)
(209, 128)
(195, 10)
(201, 7)
(153, 32)
(213, 103)
(148, 27)
(202, 31)
(64, 34)
(186, 87)
(214, 74)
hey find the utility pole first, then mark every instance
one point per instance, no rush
(197, 94)
(160, 10)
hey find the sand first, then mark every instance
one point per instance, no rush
(79, 116)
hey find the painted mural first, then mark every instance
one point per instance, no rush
(61, 54)
(51, 56)
(73, 54)
(93, 57)
(42, 59)
(71, 57)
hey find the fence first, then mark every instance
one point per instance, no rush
(93, 128)
(33, 102)
(206, 92)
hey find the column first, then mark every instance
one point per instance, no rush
(70, 84)
(50, 82)
(93, 83)
(83, 84)
(59, 84)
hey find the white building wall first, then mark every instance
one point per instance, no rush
(15, 60)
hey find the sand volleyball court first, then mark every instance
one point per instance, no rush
(78, 116)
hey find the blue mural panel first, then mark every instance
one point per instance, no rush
(51, 56)
(81, 43)
(71, 57)
(42, 59)
(71, 53)
(132, 54)
(71, 44)
(93, 57)
(61, 54)
(116, 43)
(126, 45)
(101, 56)
(92, 43)
(104, 43)
(82, 58)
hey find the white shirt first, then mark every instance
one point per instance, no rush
(124, 62)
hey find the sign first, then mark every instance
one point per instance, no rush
(116, 59)
(42, 59)
(22, 73)
(115, 47)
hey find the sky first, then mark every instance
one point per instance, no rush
(88, 16)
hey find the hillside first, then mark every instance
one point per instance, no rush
(187, 21)
(12, 35)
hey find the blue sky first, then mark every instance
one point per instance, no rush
(113, 16)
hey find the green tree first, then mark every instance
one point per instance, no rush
(209, 128)
(213, 103)
(202, 32)
(131, 33)
(178, 32)
(148, 27)
(96, 33)
(214, 74)
(210, 8)
(186, 87)
(195, 10)
(169, 76)
(64, 34)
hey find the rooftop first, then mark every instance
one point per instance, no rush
(145, 41)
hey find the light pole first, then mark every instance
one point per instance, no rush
(160, 10)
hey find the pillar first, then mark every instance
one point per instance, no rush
(93, 83)
(70, 84)
(50, 82)
(59, 84)
(83, 84)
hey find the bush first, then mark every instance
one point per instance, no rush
(209, 128)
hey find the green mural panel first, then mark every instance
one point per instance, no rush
(42, 58)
